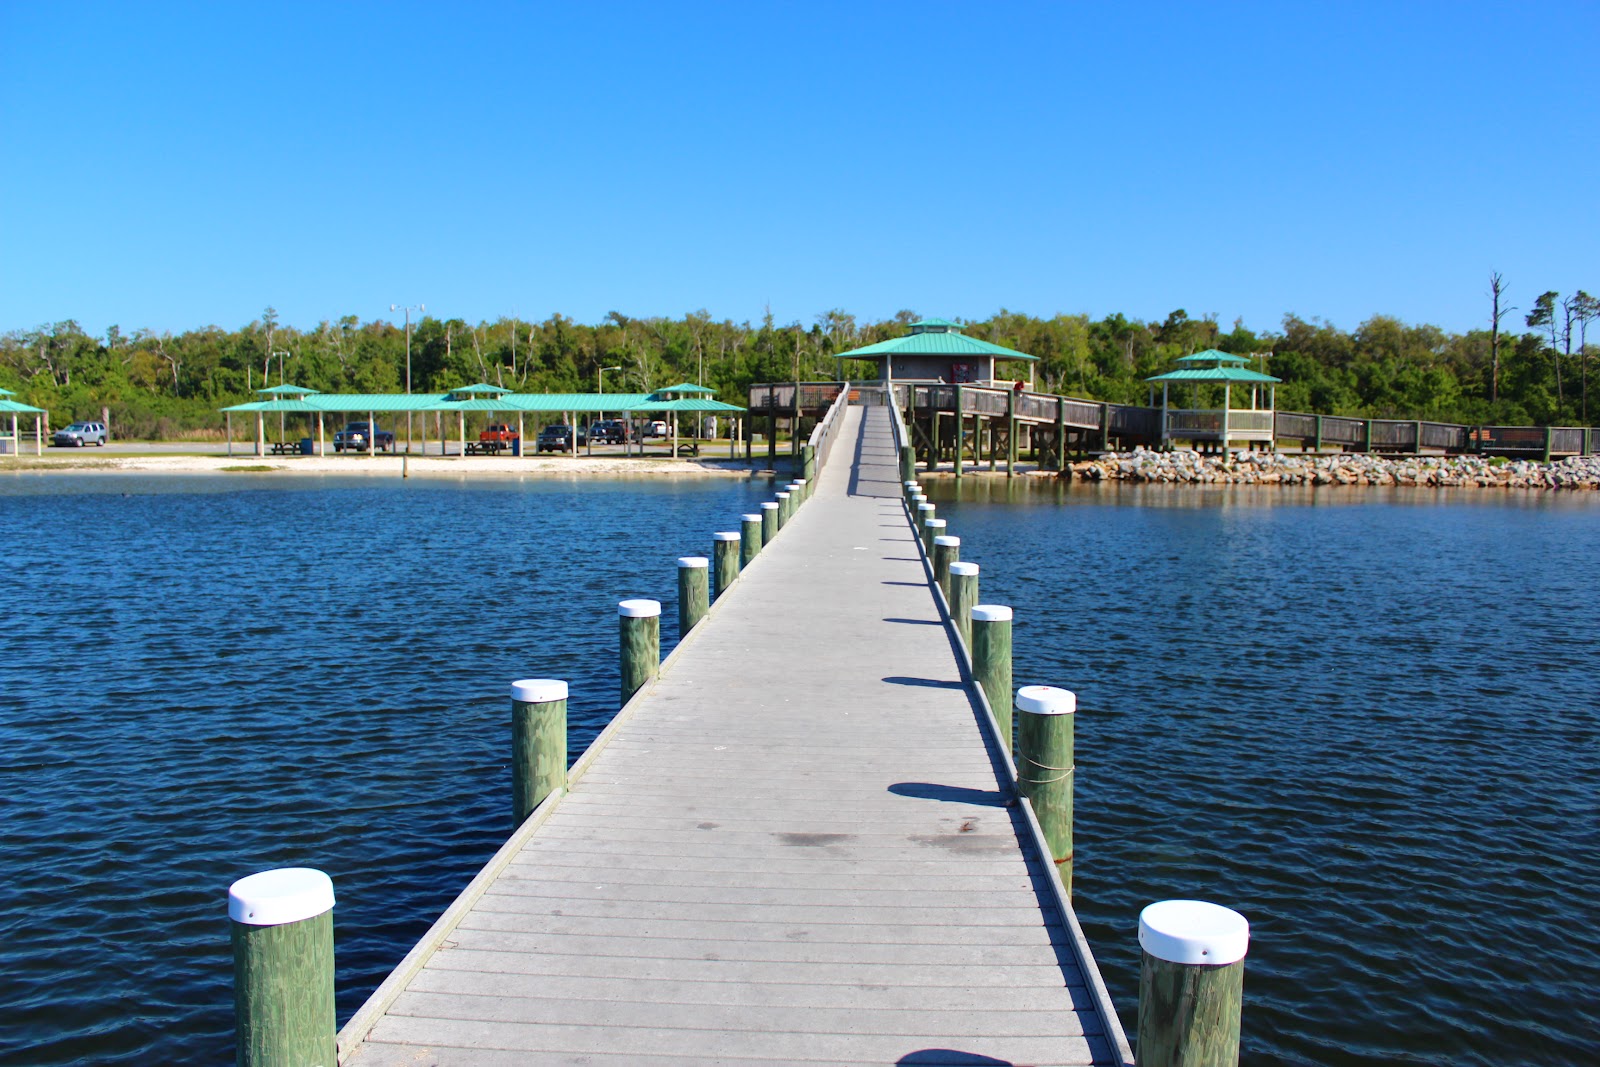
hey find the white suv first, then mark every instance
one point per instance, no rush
(81, 434)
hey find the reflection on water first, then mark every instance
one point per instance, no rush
(1369, 719)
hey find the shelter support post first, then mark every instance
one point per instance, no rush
(261, 434)
(228, 431)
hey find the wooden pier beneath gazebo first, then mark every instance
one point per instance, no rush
(760, 861)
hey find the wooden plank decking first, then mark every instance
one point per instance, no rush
(794, 849)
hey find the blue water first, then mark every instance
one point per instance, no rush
(205, 677)
(1369, 720)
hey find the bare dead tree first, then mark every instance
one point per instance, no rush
(1497, 290)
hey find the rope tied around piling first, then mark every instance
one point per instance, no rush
(1024, 780)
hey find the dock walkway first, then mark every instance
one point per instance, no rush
(795, 849)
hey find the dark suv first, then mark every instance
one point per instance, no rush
(609, 432)
(355, 435)
(558, 438)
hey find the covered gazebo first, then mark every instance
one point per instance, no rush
(1203, 372)
(12, 442)
(937, 350)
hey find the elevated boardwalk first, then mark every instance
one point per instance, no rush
(793, 848)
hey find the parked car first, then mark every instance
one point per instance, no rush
(355, 435)
(80, 435)
(610, 432)
(498, 436)
(558, 438)
(656, 429)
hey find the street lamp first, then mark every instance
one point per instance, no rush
(419, 309)
(600, 387)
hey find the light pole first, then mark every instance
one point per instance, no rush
(600, 387)
(419, 309)
(280, 356)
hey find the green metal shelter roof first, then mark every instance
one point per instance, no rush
(13, 407)
(686, 404)
(480, 388)
(687, 387)
(1213, 374)
(935, 343)
(289, 390)
(935, 324)
(390, 403)
(1212, 355)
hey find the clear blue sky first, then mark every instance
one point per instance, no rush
(174, 166)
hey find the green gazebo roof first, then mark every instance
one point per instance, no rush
(686, 387)
(935, 337)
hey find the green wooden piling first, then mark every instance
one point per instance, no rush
(784, 508)
(1011, 434)
(769, 522)
(909, 488)
(931, 528)
(282, 928)
(538, 742)
(908, 462)
(1191, 984)
(749, 539)
(933, 438)
(963, 598)
(991, 661)
(693, 592)
(924, 512)
(725, 551)
(1061, 435)
(961, 430)
(946, 550)
(808, 462)
(640, 622)
(1044, 766)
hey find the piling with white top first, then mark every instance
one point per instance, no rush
(694, 594)
(1191, 984)
(931, 528)
(991, 660)
(783, 508)
(963, 598)
(725, 552)
(749, 539)
(640, 623)
(1045, 717)
(946, 550)
(910, 487)
(769, 522)
(282, 924)
(538, 742)
(908, 461)
(924, 512)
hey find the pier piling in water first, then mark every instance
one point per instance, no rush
(1045, 717)
(1191, 984)
(769, 521)
(783, 508)
(725, 552)
(991, 660)
(931, 528)
(640, 623)
(693, 592)
(749, 539)
(538, 742)
(963, 598)
(946, 550)
(282, 924)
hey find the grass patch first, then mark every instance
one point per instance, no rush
(252, 467)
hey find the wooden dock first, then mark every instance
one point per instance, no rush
(794, 847)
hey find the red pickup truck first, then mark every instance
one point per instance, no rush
(496, 437)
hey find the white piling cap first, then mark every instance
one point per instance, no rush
(910, 484)
(925, 507)
(964, 568)
(286, 895)
(1046, 700)
(639, 609)
(937, 524)
(751, 518)
(781, 496)
(1193, 931)
(692, 563)
(769, 505)
(733, 535)
(990, 612)
(539, 690)
(947, 540)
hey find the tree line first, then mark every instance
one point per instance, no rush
(163, 385)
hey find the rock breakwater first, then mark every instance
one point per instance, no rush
(1184, 467)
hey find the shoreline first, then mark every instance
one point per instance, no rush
(385, 466)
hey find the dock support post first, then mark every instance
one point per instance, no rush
(931, 528)
(769, 522)
(1011, 434)
(749, 539)
(963, 598)
(783, 508)
(1061, 435)
(961, 430)
(910, 487)
(640, 622)
(908, 463)
(808, 462)
(1045, 717)
(946, 550)
(282, 924)
(725, 549)
(694, 594)
(991, 660)
(1191, 984)
(933, 437)
(925, 511)
(538, 742)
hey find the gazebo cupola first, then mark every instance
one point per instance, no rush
(1199, 423)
